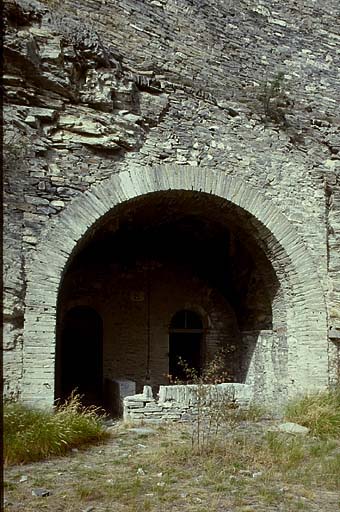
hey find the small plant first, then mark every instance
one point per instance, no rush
(33, 434)
(213, 406)
(190, 375)
(212, 403)
(320, 412)
(274, 99)
(214, 372)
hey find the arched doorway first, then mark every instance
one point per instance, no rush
(185, 344)
(157, 255)
(289, 356)
(80, 354)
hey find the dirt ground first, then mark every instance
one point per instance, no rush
(155, 468)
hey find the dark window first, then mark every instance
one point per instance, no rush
(186, 320)
(185, 344)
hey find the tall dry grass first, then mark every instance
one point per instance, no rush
(33, 434)
(320, 412)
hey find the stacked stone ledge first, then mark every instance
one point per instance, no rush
(180, 402)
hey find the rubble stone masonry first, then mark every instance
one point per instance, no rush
(108, 102)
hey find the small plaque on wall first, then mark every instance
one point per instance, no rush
(137, 296)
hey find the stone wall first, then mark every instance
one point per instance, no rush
(94, 89)
(307, 364)
(183, 402)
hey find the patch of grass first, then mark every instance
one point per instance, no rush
(322, 448)
(332, 470)
(260, 457)
(270, 495)
(87, 493)
(249, 468)
(284, 451)
(32, 434)
(320, 412)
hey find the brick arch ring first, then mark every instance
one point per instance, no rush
(307, 337)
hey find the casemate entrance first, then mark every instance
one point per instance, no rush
(147, 244)
(166, 279)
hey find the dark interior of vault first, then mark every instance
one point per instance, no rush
(193, 233)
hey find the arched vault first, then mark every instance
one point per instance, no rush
(290, 258)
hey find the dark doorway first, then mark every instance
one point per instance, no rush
(185, 344)
(81, 355)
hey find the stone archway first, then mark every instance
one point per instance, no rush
(305, 351)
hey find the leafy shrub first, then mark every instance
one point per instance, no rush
(214, 372)
(33, 434)
(320, 412)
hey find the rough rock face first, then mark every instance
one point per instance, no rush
(91, 87)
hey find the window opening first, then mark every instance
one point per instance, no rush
(185, 344)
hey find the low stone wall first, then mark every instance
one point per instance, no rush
(180, 402)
